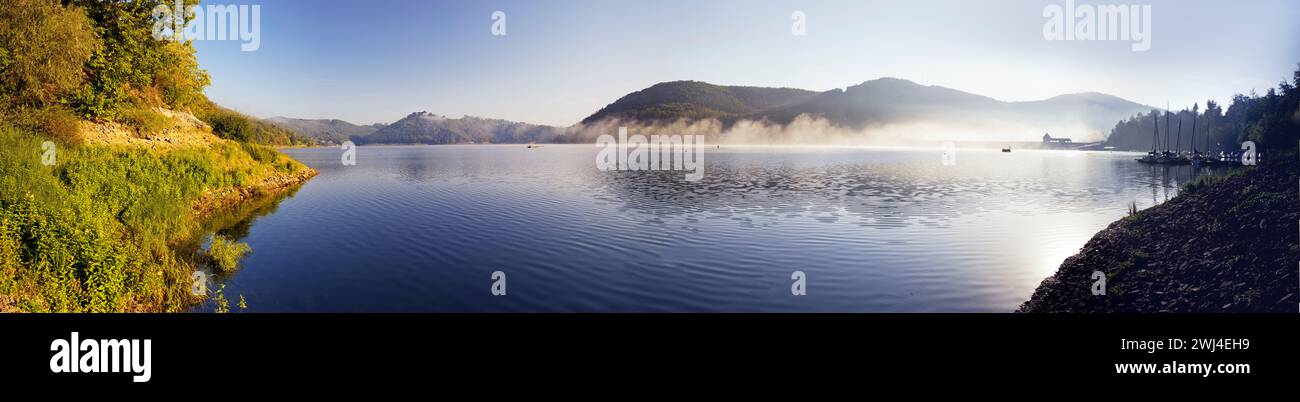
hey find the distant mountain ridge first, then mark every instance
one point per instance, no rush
(697, 100)
(853, 112)
(429, 128)
(873, 103)
(325, 130)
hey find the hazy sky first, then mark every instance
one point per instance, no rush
(379, 60)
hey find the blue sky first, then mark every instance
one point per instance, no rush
(379, 60)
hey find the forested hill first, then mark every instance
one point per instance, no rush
(696, 100)
(429, 128)
(874, 103)
(332, 131)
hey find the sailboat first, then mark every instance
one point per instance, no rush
(1153, 156)
(1176, 156)
(1166, 155)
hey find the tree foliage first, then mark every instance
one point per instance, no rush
(1271, 120)
(133, 67)
(43, 49)
(233, 125)
(100, 60)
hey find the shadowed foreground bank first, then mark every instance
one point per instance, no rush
(1229, 246)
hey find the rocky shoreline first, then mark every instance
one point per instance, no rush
(1226, 247)
(216, 200)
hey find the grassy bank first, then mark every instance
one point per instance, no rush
(111, 158)
(99, 229)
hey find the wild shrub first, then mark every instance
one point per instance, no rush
(225, 254)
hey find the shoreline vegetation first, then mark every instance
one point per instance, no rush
(113, 164)
(112, 226)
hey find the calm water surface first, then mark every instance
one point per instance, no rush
(421, 228)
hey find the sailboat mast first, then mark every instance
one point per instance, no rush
(1193, 140)
(1166, 128)
(1178, 145)
(1209, 131)
(1155, 134)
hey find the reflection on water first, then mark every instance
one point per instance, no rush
(422, 228)
(234, 223)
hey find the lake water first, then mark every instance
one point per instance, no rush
(422, 228)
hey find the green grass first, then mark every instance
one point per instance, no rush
(1207, 180)
(101, 229)
(225, 254)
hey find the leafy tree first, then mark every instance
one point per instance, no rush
(43, 47)
(133, 67)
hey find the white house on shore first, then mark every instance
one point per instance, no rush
(1048, 140)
